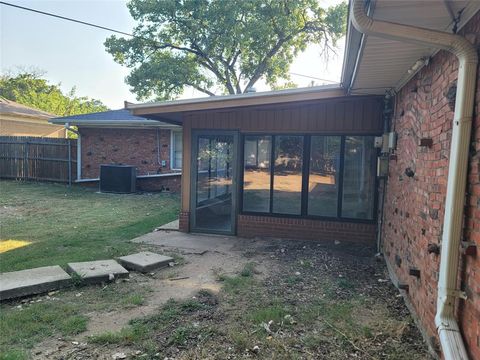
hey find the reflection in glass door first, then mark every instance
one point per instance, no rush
(214, 189)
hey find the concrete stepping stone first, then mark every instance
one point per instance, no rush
(32, 281)
(171, 226)
(145, 261)
(93, 272)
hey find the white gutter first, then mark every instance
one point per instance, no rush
(79, 150)
(119, 123)
(448, 330)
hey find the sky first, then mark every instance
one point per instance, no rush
(74, 55)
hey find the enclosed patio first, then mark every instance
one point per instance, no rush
(290, 164)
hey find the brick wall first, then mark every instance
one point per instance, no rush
(164, 183)
(184, 221)
(304, 229)
(414, 206)
(136, 147)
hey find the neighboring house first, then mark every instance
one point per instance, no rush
(117, 137)
(302, 163)
(20, 120)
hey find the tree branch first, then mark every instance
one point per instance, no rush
(199, 88)
(263, 64)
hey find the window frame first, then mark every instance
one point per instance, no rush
(305, 178)
(173, 163)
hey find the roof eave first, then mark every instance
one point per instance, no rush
(113, 123)
(235, 101)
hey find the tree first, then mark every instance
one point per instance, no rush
(220, 46)
(29, 89)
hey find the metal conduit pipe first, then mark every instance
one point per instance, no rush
(79, 150)
(447, 326)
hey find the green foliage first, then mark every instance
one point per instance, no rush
(220, 46)
(29, 89)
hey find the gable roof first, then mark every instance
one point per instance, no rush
(13, 108)
(113, 118)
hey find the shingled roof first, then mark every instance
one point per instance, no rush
(13, 108)
(121, 117)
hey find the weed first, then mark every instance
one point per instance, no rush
(346, 284)
(73, 325)
(273, 312)
(236, 284)
(292, 280)
(314, 342)
(191, 305)
(180, 336)
(239, 283)
(240, 340)
(128, 335)
(306, 263)
(248, 270)
(77, 280)
(134, 300)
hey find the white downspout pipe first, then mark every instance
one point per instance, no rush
(79, 150)
(448, 330)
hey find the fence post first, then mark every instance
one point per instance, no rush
(69, 162)
(25, 161)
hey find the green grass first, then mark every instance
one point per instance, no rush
(22, 328)
(134, 300)
(59, 224)
(13, 354)
(274, 313)
(63, 224)
(238, 283)
(141, 332)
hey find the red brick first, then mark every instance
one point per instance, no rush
(431, 116)
(143, 148)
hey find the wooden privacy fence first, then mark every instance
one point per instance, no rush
(39, 159)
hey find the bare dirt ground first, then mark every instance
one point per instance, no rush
(242, 299)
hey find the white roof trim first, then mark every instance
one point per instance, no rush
(214, 99)
(115, 123)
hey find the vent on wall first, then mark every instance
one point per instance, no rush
(118, 178)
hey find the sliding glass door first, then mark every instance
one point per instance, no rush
(213, 182)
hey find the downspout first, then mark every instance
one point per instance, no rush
(79, 150)
(448, 330)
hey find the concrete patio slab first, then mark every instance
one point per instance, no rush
(145, 261)
(197, 243)
(32, 281)
(191, 243)
(171, 226)
(93, 272)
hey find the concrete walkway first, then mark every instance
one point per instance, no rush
(32, 281)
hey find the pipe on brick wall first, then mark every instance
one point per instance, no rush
(79, 150)
(448, 329)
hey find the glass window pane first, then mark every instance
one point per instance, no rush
(358, 178)
(324, 174)
(287, 183)
(256, 174)
(214, 182)
(177, 147)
